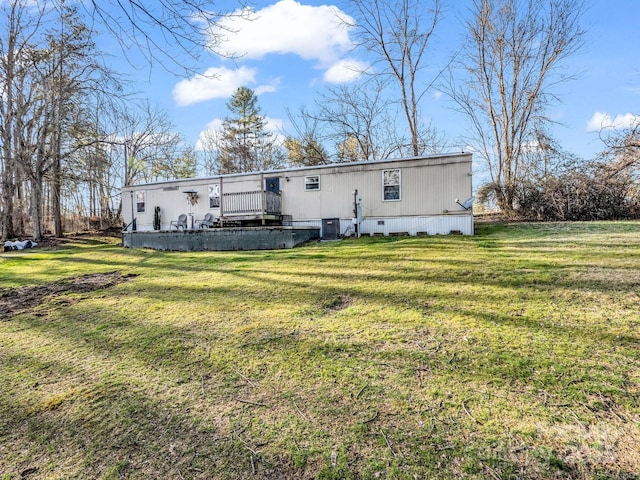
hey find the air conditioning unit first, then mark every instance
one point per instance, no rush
(330, 229)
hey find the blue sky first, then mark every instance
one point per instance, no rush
(294, 49)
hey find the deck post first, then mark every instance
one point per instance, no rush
(220, 221)
(263, 206)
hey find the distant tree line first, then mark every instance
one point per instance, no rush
(588, 192)
(563, 187)
(71, 135)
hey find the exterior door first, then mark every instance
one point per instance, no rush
(272, 184)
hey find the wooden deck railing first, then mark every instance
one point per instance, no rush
(251, 203)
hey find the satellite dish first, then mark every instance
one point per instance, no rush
(467, 204)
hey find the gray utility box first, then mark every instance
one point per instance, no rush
(330, 229)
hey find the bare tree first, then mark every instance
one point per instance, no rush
(622, 147)
(360, 120)
(77, 80)
(397, 34)
(177, 161)
(170, 33)
(208, 151)
(94, 169)
(305, 151)
(54, 147)
(359, 123)
(305, 146)
(146, 138)
(22, 106)
(511, 63)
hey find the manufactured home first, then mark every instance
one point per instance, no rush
(411, 196)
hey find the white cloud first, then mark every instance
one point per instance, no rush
(215, 124)
(272, 87)
(345, 71)
(210, 131)
(274, 125)
(214, 83)
(602, 120)
(287, 27)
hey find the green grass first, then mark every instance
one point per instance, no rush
(513, 354)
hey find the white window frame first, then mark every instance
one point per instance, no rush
(309, 185)
(386, 183)
(214, 193)
(141, 201)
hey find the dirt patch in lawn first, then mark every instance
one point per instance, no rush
(14, 301)
(337, 303)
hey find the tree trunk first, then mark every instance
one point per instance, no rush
(58, 230)
(36, 209)
(8, 190)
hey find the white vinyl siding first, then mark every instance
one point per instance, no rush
(428, 188)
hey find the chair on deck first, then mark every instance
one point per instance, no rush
(180, 223)
(208, 221)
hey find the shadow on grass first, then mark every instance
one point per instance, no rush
(132, 414)
(405, 379)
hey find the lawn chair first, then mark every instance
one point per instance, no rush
(180, 223)
(207, 222)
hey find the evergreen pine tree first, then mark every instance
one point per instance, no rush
(244, 143)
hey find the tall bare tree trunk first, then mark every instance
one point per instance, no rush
(56, 210)
(7, 68)
(8, 193)
(397, 33)
(513, 59)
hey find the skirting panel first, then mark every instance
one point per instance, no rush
(429, 225)
(221, 239)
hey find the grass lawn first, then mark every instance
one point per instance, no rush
(514, 354)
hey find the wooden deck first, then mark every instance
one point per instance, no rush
(251, 208)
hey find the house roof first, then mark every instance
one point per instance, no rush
(345, 165)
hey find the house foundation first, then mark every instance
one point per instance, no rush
(221, 239)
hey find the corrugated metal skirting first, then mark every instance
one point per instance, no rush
(429, 225)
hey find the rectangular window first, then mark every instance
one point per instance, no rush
(391, 184)
(140, 201)
(312, 182)
(214, 195)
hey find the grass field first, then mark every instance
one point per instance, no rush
(513, 354)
